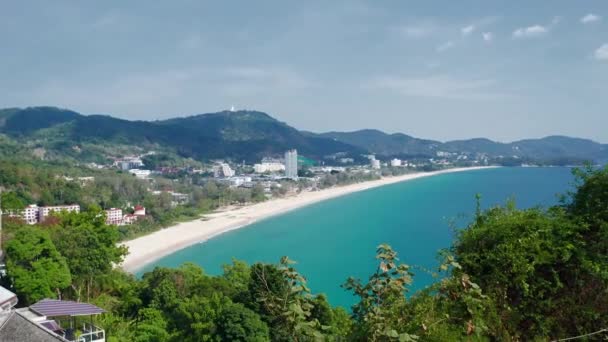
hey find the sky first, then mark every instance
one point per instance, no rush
(442, 70)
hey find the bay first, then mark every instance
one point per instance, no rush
(335, 239)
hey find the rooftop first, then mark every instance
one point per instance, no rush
(58, 308)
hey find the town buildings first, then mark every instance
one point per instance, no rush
(375, 163)
(268, 166)
(291, 164)
(141, 174)
(33, 214)
(115, 216)
(128, 163)
(396, 162)
(223, 170)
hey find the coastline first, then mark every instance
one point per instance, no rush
(146, 249)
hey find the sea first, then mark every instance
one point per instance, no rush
(337, 238)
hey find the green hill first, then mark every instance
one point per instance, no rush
(251, 135)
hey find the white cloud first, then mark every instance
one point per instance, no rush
(445, 46)
(530, 31)
(488, 36)
(439, 86)
(467, 30)
(590, 18)
(601, 54)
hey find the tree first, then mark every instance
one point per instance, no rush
(238, 274)
(150, 326)
(89, 245)
(237, 323)
(544, 276)
(11, 201)
(280, 295)
(377, 314)
(36, 268)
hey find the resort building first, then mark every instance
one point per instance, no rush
(141, 174)
(129, 219)
(396, 162)
(114, 216)
(30, 214)
(375, 163)
(44, 212)
(128, 163)
(240, 181)
(33, 214)
(291, 164)
(223, 170)
(139, 211)
(268, 167)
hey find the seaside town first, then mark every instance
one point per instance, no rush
(271, 174)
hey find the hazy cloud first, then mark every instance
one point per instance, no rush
(439, 86)
(530, 31)
(488, 36)
(445, 46)
(590, 18)
(467, 30)
(601, 54)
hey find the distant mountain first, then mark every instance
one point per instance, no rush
(241, 135)
(251, 135)
(547, 149)
(383, 144)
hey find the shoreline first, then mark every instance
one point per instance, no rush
(146, 249)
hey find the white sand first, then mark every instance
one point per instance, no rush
(147, 249)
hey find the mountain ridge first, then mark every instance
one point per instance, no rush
(250, 135)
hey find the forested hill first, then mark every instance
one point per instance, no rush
(547, 149)
(242, 135)
(251, 135)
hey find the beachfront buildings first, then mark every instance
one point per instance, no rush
(291, 164)
(268, 166)
(33, 214)
(396, 162)
(116, 217)
(374, 163)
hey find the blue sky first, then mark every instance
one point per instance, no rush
(435, 69)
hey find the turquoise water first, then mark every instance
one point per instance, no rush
(335, 239)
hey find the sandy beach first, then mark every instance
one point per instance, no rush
(147, 249)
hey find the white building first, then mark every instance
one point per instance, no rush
(223, 170)
(44, 212)
(114, 216)
(30, 214)
(128, 163)
(375, 163)
(268, 167)
(396, 162)
(141, 174)
(291, 164)
(238, 181)
(139, 211)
